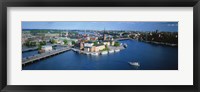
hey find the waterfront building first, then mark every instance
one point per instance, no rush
(47, 48)
(81, 45)
(87, 49)
(97, 48)
(89, 44)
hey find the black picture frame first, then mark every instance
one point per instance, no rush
(98, 3)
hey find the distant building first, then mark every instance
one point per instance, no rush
(69, 43)
(62, 43)
(104, 36)
(93, 38)
(47, 48)
(112, 43)
(64, 34)
(25, 36)
(87, 38)
(51, 35)
(106, 43)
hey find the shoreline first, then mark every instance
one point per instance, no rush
(161, 43)
(153, 42)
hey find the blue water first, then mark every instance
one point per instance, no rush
(150, 57)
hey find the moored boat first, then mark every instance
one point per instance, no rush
(134, 64)
(95, 53)
(87, 53)
(111, 51)
(104, 52)
(117, 50)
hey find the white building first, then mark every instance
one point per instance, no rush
(106, 43)
(88, 44)
(47, 48)
(87, 49)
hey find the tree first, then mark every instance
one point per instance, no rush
(73, 42)
(117, 44)
(43, 43)
(95, 43)
(30, 44)
(65, 41)
(106, 47)
(53, 41)
(39, 47)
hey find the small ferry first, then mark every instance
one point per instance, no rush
(95, 54)
(111, 51)
(117, 50)
(104, 52)
(87, 53)
(134, 63)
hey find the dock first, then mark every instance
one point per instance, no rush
(43, 55)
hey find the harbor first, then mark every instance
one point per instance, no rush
(37, 57)
(101, 45)
(136, 51)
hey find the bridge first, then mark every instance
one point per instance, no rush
(43, 55)
(35, 48)
(29, 49)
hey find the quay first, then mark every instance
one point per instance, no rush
(43, 55)
(112, 50)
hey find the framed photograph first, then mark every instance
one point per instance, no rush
(130, 45)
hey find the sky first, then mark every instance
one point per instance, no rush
(135, 26)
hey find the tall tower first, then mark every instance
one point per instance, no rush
(104, 35)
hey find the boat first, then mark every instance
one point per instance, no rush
(134, 64)
(104, 52)
(111, 51)
(125, 45)
(95, 54)
(87, 53)
(117, 50)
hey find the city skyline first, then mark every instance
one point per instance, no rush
(131, 26)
